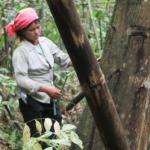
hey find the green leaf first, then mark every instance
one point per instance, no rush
(61, 142)
(49, 148)
(68, 127)
(1, 99)
(26, 133)
(37, 146)
(4, 70)
(63, 135)
(30, 144)
(57, 128)
(75, 139)
(38, 126)
(46, 134)
(48, 124)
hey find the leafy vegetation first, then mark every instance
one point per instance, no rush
(62, 137)
(9, 125)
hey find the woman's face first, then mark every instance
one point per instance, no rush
(32, 32)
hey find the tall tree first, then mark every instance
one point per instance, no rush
(126, 64)
(89, 74)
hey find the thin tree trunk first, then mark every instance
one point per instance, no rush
(93, 24)
(100, 33)
(74, 101)
(89, 74)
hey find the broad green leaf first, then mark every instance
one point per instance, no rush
(26, 133)
(75, 139)
(63, 135)
(67, 127)
(37, 146)
(30, 144)
(4, 70)
(38, 126)
(49, 148)
(1, 99)
(46, 134)
(56, 128)
(48, 124)
(61, 142)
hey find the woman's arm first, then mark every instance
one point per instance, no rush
(51, 91)
(61, 58)
(30, 86)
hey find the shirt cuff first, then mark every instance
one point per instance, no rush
(35, 88)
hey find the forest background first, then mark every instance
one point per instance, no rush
(95, 17)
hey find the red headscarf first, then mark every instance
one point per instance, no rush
(22, 19)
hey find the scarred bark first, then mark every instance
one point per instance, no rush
(89, 74)
(128, 50)
(126, 65)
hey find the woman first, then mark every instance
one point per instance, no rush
(33, 62)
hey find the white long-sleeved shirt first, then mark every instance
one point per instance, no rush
(33, 67)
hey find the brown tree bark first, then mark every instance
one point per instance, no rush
(127, 50)
(126, 58)
(89, 74)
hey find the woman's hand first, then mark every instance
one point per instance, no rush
(52, 91)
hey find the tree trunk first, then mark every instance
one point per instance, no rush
(126, 59)
(131, 55)
(89, 74)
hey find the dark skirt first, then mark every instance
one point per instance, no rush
(37, 110)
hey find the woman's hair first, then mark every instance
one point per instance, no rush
(20, 34)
